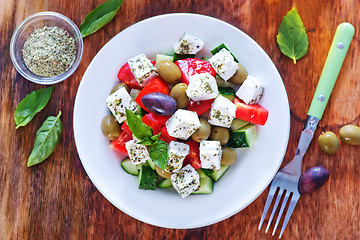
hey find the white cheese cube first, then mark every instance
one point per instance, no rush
(137, 153)
(182, 124)
(185, 181)
(224, 64)
(118, 102)
(222, 112)
(142, 69)
(177, 153)
(250, 90)
(210, 154)
(202, 87)
(188, 44)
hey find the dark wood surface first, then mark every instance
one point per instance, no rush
(56, 199)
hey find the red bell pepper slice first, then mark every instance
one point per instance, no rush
(253, 113)
(191, 66)
(199, 107)
(119, 143)
(165, 135)
(155, 85)
(125, 75)
(156, 122)
(193, 158)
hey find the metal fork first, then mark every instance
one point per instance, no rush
(287, 179)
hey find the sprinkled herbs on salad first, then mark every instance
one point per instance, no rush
(179, 118)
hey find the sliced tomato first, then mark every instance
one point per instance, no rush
(125, 127)
(125, 75)
(155, 85)
(199, 107)
(119, 143)
(191, 66)
(253, 113)
(193, 158)
(165, 135)
(156, 122)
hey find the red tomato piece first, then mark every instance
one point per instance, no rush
(193, 158)
(165, 135)
(191, 66)
(119, 143)
(155, 85)
(125, 127)
(125, 75)
(199, 107)
(253, 113)
(156, 122)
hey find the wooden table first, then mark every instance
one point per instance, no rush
(56, 199)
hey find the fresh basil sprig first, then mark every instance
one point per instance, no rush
(137, 127)
(46, 140)
(292, 38)
(159, 153)
(99, 17)
(30, 105)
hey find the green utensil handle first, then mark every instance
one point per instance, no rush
(339, 47)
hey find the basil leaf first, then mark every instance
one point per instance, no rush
(155, 138)
(137, 127)
(99, 17)
(46, 140)
(292, 38)
(30, 105)
(159, 153)
(146, 141)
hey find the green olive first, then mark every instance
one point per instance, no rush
(240, 75)
(169, 71)
(110, 127)
(220, 134)
(228, 156)
(179, 94)
(238, 123)
(350, 134)
(118, 86)
(328, 142)
(203, 132)
(162, 173)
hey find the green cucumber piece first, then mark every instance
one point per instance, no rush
(129, 167)
(147, 178)
(216, 175)
(182, 56)
(243, 137)
(238, 123)
(151, 164)
(165, 183)
(218, 49)
(203, 172)
(163, 57)
(227, 92)
(206, 186)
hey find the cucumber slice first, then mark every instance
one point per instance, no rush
(151, 164)
(216, 175)
(238, 123)
(147, 178)
(243, 137)
(129, 167)
(203, 172)
(218, 49)
(165, 183)
(182, 56)
(163, 57)
(227, 92)
(206, 186)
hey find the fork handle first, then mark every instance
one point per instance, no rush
(339, 47)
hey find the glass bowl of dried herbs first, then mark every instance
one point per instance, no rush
(46, 48)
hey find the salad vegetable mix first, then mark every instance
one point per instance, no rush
(179, 118)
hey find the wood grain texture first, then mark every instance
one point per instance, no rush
(56, 199)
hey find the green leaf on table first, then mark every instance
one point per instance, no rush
(46, 140)
(292, 38)
(99, 17)
(30, 105)
(159, 153)
(137, 127)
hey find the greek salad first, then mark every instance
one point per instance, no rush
(179, 118)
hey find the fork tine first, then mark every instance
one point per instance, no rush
(267, 204)
(281, 211)
(280, 193)
(292, 205)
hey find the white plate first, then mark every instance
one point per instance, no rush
(243, 182)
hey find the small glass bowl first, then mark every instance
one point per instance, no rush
(28, 26)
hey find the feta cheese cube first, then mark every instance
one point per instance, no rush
(185, 181)
(137, 153)
(222, 112)
(188, 44)
(118, 102)
(224, 64)
(177, 153)
(202, 87)
(142, 69)
(250, 90)
(182, 124)
(210, 154)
